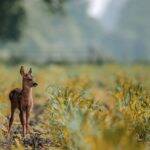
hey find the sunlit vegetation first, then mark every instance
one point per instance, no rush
(81, 107)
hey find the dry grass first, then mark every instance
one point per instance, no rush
(81, 107)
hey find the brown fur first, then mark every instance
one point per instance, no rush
(23, 100)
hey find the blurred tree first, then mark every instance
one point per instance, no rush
(135, 26)
(12, 15)
(56, 6)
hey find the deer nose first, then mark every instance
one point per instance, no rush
(35, 84)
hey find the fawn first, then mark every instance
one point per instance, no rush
(23, 100)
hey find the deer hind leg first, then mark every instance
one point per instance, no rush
(21, 117)
(11, 118)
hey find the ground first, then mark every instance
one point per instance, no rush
(80, 107)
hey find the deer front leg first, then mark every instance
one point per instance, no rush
(23, 117)
(27, 120)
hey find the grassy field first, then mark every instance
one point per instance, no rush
(85, 107)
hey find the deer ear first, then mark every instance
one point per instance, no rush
(22, 72)
(30, 71)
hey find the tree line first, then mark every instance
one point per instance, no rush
(13, 17)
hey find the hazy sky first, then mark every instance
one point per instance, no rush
(97, 7)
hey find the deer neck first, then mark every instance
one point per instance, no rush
(27, 92)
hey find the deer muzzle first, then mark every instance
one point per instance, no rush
(35, 84)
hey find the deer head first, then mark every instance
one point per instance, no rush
(27, 78)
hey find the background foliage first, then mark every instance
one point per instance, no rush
(61, 30)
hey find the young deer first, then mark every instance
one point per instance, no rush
(23, 100)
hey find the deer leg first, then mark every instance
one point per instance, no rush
(11, 118)
(27, 120)
(23, 118)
